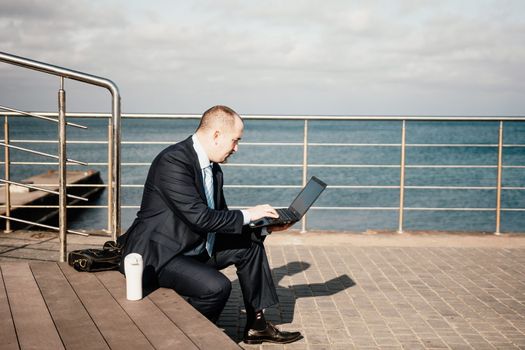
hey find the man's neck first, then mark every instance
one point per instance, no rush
(203, 141)
(204, 160)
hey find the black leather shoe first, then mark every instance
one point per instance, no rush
(271, 334)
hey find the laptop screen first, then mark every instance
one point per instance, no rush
(307, 196)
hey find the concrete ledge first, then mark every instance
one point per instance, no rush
(44, 245)
(394, 239)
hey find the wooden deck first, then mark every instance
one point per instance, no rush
(52, 306)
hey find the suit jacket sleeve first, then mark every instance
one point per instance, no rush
(177, 182)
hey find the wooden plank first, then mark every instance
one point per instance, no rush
(7, 327)
(75, 326)
(197, 327)
(155, 325)
(115, 325)
(34, 326)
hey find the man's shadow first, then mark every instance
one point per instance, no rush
(233, 318)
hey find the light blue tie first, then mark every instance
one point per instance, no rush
(208, 189)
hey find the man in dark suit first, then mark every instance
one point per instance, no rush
(186, 233)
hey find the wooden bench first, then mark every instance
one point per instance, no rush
(52, 306)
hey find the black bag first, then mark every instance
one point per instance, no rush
(91, 260)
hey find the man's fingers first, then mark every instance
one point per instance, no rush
(261, 211)
(270, 211)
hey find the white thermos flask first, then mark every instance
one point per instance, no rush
(133, 268)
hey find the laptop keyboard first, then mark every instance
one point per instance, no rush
(285, 215)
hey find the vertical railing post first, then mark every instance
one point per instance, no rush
(498, 186)
(110, 176)
(402, 179)
(115, 152)
(7, 174)
(305, 168)
(62, 181)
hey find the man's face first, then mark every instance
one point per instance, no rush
(227, 141)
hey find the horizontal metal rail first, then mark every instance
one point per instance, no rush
(276, 165)
(41, 189)
(354, 208)
(76, 185)
(42, 225)
(286, 144)
(297, 186)
(43, 154)
(471, 118)
(36, 115)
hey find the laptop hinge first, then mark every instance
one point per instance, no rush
(295, 213)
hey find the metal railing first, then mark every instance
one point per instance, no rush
(7, 146)
(113, 146)
(304, 164)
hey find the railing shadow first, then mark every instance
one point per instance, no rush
(288, 295)
(234, 318)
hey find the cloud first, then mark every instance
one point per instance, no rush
(335, 57)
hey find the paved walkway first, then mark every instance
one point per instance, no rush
(374, 291)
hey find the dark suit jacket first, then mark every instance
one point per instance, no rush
(174, 216)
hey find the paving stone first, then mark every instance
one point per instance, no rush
(460, 347)
(337, 336)
(301, 345)
(317, 339)
(482, 346)
(406, 337)
(412, 345)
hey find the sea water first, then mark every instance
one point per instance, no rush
(370, 176)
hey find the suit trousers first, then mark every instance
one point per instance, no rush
(198, 280)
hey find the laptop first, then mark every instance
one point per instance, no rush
(298, 208)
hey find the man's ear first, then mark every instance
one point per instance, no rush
(216, 135)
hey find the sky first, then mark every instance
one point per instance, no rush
(293, 57)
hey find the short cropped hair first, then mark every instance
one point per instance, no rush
(218, 115)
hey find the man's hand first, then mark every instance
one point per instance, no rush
(260, 211)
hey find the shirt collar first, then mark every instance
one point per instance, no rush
(204, 162)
